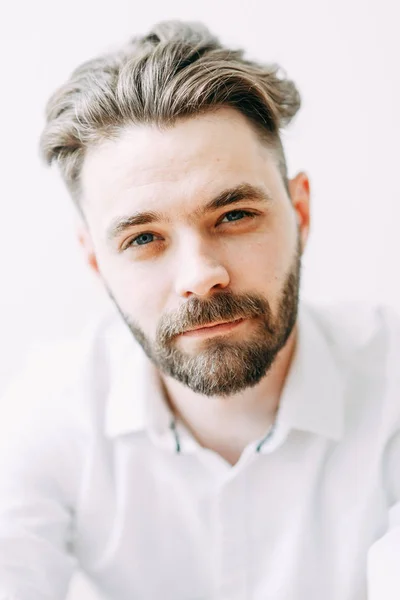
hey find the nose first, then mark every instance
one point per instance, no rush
(199, 271)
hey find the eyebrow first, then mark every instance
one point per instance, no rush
(227, 197)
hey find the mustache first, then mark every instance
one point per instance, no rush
(222, 306)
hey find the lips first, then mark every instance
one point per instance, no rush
(213, 325)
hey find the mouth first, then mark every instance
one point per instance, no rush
(220, 327)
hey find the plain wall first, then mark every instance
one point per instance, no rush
(344, 57)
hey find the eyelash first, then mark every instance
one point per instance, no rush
(246, 213)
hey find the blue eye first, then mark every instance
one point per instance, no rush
(236, 215)
(142, 239)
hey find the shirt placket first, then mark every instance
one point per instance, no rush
(232, 540)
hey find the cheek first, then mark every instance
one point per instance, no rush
(139, 292)
(261, 261)
(281, 250)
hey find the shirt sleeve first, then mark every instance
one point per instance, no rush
(384, 554)
(383, 567)
(36, 503)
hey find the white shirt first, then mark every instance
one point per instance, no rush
(94, 474)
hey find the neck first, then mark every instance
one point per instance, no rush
(228, 425)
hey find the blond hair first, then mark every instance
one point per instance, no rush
(177, 70)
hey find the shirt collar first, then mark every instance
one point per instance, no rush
(135, 400)
(312, 398)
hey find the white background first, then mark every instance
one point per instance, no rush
(343, 54)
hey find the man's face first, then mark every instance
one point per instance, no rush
(190, 227)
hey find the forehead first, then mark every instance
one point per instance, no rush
(189, 162)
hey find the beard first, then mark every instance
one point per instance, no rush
(223, 367)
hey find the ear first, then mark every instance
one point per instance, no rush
(85, 241)
(299, 189)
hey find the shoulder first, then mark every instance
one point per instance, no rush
(365, 342)
(65, 382)
(361, 333)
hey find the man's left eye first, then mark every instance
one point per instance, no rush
(236, 215)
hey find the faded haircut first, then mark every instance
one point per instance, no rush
(177, 70)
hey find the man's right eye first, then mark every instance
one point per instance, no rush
(142, 239)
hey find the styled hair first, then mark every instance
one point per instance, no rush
(177, 70)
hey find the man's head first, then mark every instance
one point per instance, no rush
(171, 150)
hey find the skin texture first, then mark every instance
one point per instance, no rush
(193, 267)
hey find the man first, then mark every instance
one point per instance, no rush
(213, 437)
